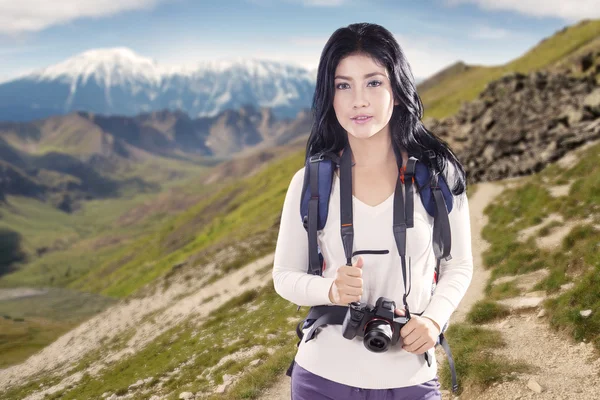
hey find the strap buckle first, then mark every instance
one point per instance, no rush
(315, 159)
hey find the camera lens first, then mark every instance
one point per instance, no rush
(378, 336)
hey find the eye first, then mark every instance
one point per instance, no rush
(378, 83)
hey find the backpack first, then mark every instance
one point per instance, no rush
(435, 195)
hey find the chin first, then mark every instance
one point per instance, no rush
(367, 133)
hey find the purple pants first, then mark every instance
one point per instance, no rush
(309, 386)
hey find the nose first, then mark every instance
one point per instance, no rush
(360, 98)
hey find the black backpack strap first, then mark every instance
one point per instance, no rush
(441, 227)
(409, 180)
(314, 266)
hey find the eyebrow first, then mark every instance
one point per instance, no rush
(365, 77)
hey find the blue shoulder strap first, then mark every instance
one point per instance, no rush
(423, 179)
(325, 168)
(319, 168)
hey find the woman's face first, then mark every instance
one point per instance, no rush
(358, 94)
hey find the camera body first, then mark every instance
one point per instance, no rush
(378, 326)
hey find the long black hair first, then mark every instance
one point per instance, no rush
(407, 130)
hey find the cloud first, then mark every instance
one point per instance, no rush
(305, 3)
(322, 3)
(18, 50)
(309, 41)
(568, 10)
(488, 32)
(20, 16)
(426, 54)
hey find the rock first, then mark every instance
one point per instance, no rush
(154, 397)
(226, 382)
(186, 395)
(533, 385)
(521, 303)
(571, 115)
(585, 313)
(113, 397)
(105, 394)
(542, 313)
(538, 293)
(567, 286)
(254, 362)
(137, 384)
(592, 101)
(518, 125)
(504, 279)
(504, 324)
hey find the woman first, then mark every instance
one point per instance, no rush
(365, 98)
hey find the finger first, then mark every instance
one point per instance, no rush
(424, 348)
(399, 312)
(355, 283)
(354, 272)
(359, 262)
(416, 345)
(413, 336)
(352, 291)
(407, 329)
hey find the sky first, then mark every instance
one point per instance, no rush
(432, 33)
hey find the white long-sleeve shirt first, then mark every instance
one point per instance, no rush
(329, 354)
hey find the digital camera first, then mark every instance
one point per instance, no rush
(378, 326)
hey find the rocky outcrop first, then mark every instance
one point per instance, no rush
(520, 123)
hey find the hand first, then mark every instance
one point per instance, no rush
(419, 334)
(348, 284)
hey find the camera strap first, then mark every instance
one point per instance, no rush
(403, 213)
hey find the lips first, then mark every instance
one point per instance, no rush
(362, 116)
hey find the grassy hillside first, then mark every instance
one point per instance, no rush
(576, 260)
(187, 358)
(461, 84)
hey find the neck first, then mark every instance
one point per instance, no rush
(376, 151)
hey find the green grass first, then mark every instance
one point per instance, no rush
(577, 259)
(485, 311)
(29, 324)
(502, 291)
(195, 350)
(477, 367)
(446, 97)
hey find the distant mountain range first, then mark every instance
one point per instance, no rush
(66, 158)
(117, 81)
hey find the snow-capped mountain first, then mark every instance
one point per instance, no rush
(119, 81)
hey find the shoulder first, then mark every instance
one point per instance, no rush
(298, 177)
(297, 181)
